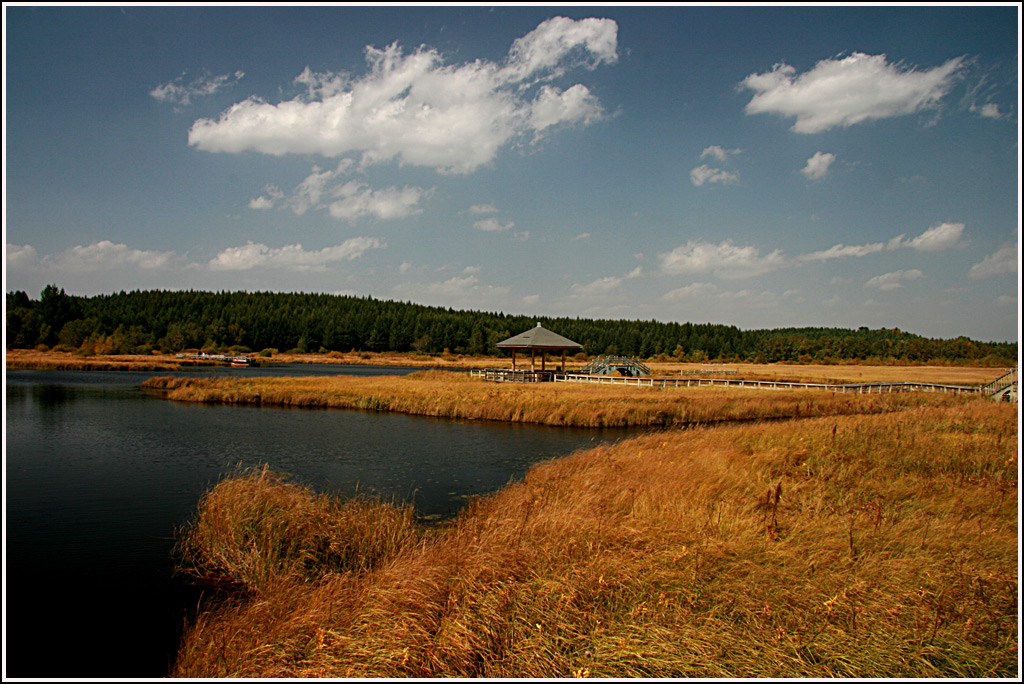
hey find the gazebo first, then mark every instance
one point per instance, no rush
(538, 339)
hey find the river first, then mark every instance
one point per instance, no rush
(99, 475)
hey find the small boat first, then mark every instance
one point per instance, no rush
(241, 361)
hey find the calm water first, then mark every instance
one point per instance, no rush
(99, 475)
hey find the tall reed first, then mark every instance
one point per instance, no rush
(255, 529)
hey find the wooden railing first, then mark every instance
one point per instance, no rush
(1003, 387)
(860, 388)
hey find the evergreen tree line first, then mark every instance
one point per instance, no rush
(172, 321)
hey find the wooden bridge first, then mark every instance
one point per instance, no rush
(1003, 388)
(623, 365)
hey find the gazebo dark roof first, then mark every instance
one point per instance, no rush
(539, 338)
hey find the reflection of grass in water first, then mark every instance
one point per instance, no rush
(858, 546)
(455, 395)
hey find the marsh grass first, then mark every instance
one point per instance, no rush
(23, 359)
(858, 546)
(448, 394)
(255, 530)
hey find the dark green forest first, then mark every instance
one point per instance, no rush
(172, 321)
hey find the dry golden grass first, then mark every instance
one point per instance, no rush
(255, 530)
(840, 373)
(854, 546)
(455, 395)
(26, 359)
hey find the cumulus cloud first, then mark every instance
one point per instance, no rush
(693, 291)
(604, 286)
(291, 257)
(414, 108)
(705, 174)
(464, 289)
(21, 256)
(271, 194)
(818, 165)
(483, 209)
(844, 92)
(106, 255)
(182, 95)
(937, 238)
(892, 281)
(841, 250)
(717, 152)
(558, 44)
(987, 111)
(553, 106)
(1004, 260)
(493, 225)
(358, 200)
(724, 260)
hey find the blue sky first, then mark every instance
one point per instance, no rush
(753, 166)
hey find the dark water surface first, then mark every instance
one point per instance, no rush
(99, 475)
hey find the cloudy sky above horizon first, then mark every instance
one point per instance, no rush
(755, 166)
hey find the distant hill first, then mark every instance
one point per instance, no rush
(142, 321)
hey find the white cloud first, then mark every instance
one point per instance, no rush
(391, 203)
(840, 250)
(818, 165)
(582, 236)
(937, 238)
(271, 194)
(705, 174)
(291, 257)
(604, 286)
(894, 280)
(492, 225)
(458, 290)
(181, 95)
(553, 106)
(848, 91)
(413, 108)
(987, 111)
(724, 260)
(1004, 260)
(717, 152)
(106, 255)
(693, 291)
(308, 193)
(592, 41)
(21, 256)
(483, 209)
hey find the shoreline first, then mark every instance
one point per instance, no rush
(22, 359)
(447, 394)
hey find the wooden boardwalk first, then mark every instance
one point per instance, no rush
(859, 388)
(1003, 388)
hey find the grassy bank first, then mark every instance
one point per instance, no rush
(455, 395)
(859, 546)
(22, 359)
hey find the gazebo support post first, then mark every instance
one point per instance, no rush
(513, 358)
